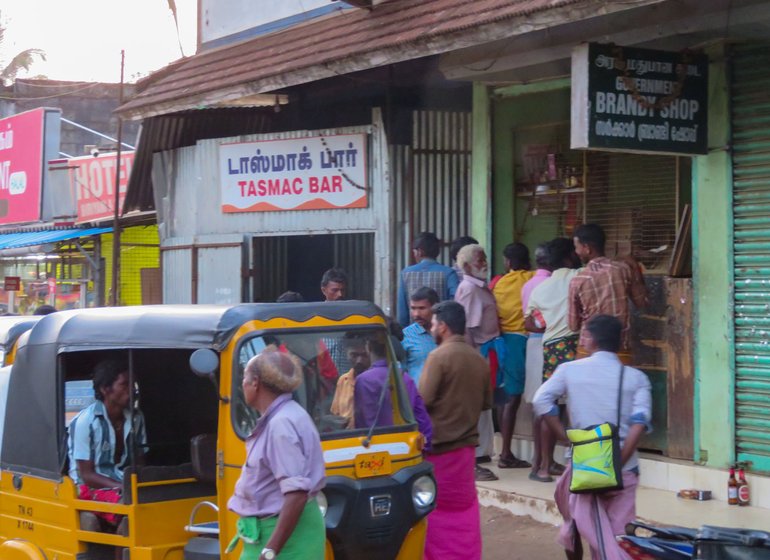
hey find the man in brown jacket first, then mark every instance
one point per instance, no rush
(455, 387)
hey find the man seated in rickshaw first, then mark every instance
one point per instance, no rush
(99, 443)
(358, 356)
(371, 399)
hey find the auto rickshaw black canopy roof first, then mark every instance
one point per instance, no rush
(34, 440)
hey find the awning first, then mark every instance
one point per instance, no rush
(348, 41)
(27, 238)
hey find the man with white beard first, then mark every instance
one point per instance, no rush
(482, 331)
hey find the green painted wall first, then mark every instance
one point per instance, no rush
(480, 165)
(713, 281)
(508, 212)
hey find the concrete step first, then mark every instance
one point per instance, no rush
(518, 494)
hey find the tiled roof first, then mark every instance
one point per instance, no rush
(347, 41)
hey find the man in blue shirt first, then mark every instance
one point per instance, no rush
(427, 272)
(418, 342)
(99, 437)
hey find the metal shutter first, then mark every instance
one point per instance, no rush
(751, 204)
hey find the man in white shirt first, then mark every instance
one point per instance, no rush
(546, 312)
(591, 386)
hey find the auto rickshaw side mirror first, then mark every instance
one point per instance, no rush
(204, 362)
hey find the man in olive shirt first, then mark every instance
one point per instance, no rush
(455, 387)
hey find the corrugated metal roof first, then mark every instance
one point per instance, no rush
(370, 37)
(24, 239)
(168, 132)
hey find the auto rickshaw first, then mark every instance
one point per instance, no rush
(185, 369)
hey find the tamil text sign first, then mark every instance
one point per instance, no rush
(21, 166)
(312, 173)
(93, 181)
(639, 100)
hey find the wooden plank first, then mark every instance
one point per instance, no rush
(681, 379)
(152, 283)
(681, 256)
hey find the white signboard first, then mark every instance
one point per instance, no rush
(313, 173)
(241, 19)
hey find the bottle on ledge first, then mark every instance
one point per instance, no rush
(732, 488)
(744, 496)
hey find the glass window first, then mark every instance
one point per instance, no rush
(333, 363)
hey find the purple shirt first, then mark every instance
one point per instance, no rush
(283, 454)
(369, 386)
(540, 276)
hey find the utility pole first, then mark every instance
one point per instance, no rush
(115, 298)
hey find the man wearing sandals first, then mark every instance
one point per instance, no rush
(482, 331)
(592, 387)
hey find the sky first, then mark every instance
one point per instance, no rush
(82, 39)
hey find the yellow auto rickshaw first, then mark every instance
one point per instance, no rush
(185, 368)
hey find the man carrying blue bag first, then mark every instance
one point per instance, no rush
(594, 386)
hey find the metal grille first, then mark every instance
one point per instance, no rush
(751, 205)
(269, 270)
(634, 198)
(355, 254)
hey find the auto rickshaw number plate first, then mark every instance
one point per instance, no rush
(373, 464)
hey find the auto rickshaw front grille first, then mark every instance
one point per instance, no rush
(379, 533)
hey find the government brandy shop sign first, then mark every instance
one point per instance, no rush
(639, 100)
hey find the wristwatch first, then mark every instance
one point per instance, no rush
(268, 554)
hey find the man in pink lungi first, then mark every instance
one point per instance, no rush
(455, 387)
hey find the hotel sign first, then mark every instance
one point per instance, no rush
(639, 100)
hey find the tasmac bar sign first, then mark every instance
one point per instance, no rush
(639, 100)
(311, 173)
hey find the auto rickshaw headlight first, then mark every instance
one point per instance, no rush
(323, 504)
(423, 491)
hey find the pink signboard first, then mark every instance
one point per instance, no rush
(21, 166)
(93, 182)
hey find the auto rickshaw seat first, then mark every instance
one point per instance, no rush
(203, 453)
(153, 473)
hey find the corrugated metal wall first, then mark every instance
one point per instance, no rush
(431, 181)
(188, 200)
(751, 202)
(220, 274)
(177, 264)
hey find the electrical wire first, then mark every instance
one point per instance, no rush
(74, 91)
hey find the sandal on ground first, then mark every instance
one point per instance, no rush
(512, 463)
(556, 469)
(538, 478)
(484, 475)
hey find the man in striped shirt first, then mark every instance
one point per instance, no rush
(603, 287)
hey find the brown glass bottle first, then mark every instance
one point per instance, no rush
(732, 488)
(744, 495)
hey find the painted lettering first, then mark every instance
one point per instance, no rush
(5, 175)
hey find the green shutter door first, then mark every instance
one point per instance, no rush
(751, 192)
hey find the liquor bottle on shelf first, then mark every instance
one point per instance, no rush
(744, 495)
(732, 488)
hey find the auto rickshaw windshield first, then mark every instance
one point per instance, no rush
(350, 380)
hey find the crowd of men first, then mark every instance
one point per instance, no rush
(476, 347)
(473, 348)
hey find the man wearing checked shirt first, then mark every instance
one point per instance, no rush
(418, 342)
